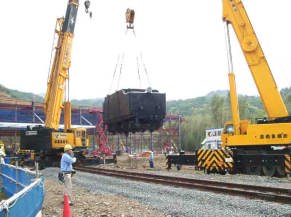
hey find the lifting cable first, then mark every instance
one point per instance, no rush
(139, 59)
(139, 79)
(67, 88)
(114, 73)
(51, 56)
(145, 69)
(120, 70)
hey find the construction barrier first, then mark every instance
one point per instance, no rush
(25, 192)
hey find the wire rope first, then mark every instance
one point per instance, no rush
(114, 73)
(51, 56)
(141, 67)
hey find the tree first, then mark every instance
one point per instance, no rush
(217, 110)
(193, 131)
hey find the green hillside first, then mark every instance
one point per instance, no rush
(213, 110)
(97, 102)
(199, 113)
(20, 95)
(15, 94)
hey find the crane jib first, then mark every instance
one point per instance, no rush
(71, 16)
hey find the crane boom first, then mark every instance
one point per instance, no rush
(59, 73)
(235, 14)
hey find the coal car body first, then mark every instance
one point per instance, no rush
(134, 110)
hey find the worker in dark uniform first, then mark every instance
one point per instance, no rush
(67, 170)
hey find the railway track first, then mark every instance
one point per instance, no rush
(280, 195)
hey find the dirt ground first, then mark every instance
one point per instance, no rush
(126, 161)
(87, 204)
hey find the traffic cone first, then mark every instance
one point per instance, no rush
(66, 210)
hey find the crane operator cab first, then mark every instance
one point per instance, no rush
(228, 129)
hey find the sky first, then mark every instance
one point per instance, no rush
(182, 43)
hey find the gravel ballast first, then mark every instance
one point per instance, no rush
(169, 201)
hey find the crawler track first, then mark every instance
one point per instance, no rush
(250, 191)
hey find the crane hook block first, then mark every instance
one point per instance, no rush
(87, 5)
(129, 16)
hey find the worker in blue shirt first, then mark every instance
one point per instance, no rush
(67, 169)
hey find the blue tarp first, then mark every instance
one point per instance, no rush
(25, 192)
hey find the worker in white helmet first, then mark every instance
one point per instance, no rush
(67, 170)
(2, 156)
(151, 159)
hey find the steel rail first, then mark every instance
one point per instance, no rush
(273, 194)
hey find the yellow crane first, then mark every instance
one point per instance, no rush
(48, 141)
(263, 147)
